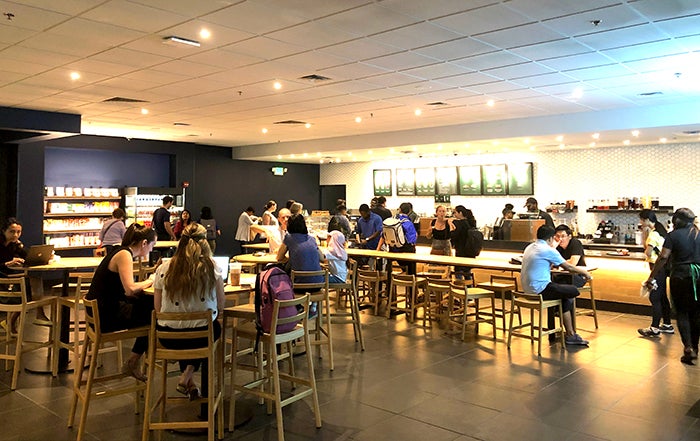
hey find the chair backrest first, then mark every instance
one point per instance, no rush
(458, 288)
(301, 304)
(352, 271)
(82, 283)
(13, 291)
(157, 335)
(507, 280)
(297, 275)
(403, 280)
(439, 283)
(370, 276)
(92, 318)
(440, 271)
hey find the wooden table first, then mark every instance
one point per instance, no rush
(235, 294)
(65, 265)
(257, 246)
(166, 244)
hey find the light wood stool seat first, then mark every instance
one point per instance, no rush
(372, 284)
(348, 291)
(502, 285)
(158, 354)
(593, 312)
(318, 292)
(411, 297)
(534, 303)
(460, 315)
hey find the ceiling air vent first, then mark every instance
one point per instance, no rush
(314, 78)
(436, 104)
(119, 99)
(651, 93)
(290, 122)
(181, 124)
(688, 133)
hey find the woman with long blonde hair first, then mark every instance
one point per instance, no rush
(190, 282)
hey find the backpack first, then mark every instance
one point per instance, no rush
(393, 233)
(475, 242)
(210, 225)
(271, 284)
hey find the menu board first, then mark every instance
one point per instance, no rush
(446, 180)
(493, 179)
(520, 179)
(425, 181)
(382, 182)
(470, 180)
(405, 182)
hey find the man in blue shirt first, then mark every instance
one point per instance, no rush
(538, 260)
(369, 228)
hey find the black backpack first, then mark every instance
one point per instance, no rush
(475, 242)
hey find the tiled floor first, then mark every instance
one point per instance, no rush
(417, 384)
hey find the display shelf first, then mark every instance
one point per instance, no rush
(83, 198)
(661, 209)
(82, 230)
(54, 215)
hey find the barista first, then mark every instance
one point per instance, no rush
(531, 205)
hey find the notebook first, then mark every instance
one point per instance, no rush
(222, 263)
(38, 255)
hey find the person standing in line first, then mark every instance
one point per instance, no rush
(440, 233)
(655, 233)
(340, 222)
(538, 259)
(161, 220)
(207, 220)
(190, 282)
(113, 230)
(182, 223)
(460, 225)
(268, 218)
(415, 218)
(381, 210)
(411, 237)
(245, 220)
(122, 304)
(682, 249)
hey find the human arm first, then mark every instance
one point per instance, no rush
(123, 264)
(576, 269)
(658, 266)
(157, 299)
(282, 253)
(266, 218)
(381, 242)
(220, 296)
(169, 229)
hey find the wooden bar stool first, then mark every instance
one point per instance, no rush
(460, 314)
(593, 312)
(348, 290)
(268, 386)
(160, 355)
(13, 293)
(534, 303)
(323, 335)
(437, 294)
(83, 388)
(372, 284)
(502, 285)
(410, 297)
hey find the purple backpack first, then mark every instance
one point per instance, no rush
(271, 284)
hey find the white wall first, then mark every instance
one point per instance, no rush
(669, 171)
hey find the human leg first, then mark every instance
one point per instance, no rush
(681, 292)
(566, 293)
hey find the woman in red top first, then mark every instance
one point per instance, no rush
(182, 223)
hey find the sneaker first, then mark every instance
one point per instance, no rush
(649, 332)
(666, 329)
(576, 340)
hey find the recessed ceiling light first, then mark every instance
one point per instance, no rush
(307, 125)
(279, 156)
(635, 133)
(349, 153)
(264, 130)
(338, 160)
(559, 138)
(439, 147)
(495, 142)
(466, 145)
(526, 140)
(369, 152)
(577, 93)
(663, 140)
(417, 112)
(306, 155)
(391, 150)
(320, 161)
(74, 76)
(358, 119)
(292, 156)
(591, 144)
(204, 33)
(144, 111)
(626, 142)
(596, 136)
(277, 85)
(561, 146)
(532, 147)
(318, 154)
(490, 103)
(415, 148)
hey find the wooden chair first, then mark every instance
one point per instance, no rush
(435, 271)
(160, 355)
(348, 290)
(13, 293)
(502, 285)
(410, 297)
(534, 303)
(593, 312)
(372, 284)
(437, 294)
(323, 336)
(83, 388)
(459, 311)
(272, 374)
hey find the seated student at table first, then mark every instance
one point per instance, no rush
(571, 249)
(409, 233)
(121, 301)
(276, 233)
(367, 232)
(190, 282)
(337, 257)
(304, 254)
(538, 259)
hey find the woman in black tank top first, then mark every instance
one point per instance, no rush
(440, 233)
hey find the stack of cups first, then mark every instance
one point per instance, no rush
(234, 274)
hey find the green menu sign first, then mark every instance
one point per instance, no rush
(425, 181)
(382, 182)
(520, 179)
(405, 182)
(493, 179)
(470, 180)
(446, 180)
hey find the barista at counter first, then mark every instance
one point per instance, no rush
(531, 205)
(570, 249)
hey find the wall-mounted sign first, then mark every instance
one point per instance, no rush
(382, 182)
(446, 180)
(405, 182)
(520, 181)
(470, 180)
(493, 180)
(425, 181)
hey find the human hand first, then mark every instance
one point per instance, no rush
(17, 261)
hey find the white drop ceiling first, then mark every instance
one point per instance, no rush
(636, 62)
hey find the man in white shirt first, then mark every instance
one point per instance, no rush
(275, 234)
(245, 220)
(538, 260)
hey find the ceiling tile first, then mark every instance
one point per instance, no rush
(264, 47)
(13, 34)
(519, 71)
(468, 79)
(186, 67)
(622, 37)
(313, 35)
(7, 77)
(76, 45)
(432, 9)
(401, 61)
(455, 49)
(593, 73)
(681, 27)
(392, 79)
(105, 34)
(352, 70)
(360, 49)
(38, 18)
(132, 15)
(370, 19)
(131, 57)
(644, 51)
(590, 59)
(255, 18)
(490, 60)
(545, 9)
(550, 49)
(437, 71)
(614, 17)
(311, 9)
(544, 80)
(222, 59)
(486, 19)
(519, 36)
(656, 10)
(220, 35)
(70, 7)
(313, 61)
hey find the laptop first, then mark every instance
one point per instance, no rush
(222, 263)
(38, 255)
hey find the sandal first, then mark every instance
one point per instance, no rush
(194, 393)
(182, 388)
(5, 327)
(132, 368)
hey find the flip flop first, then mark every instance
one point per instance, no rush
(182, 388)
(194, 393)
(4, 326)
